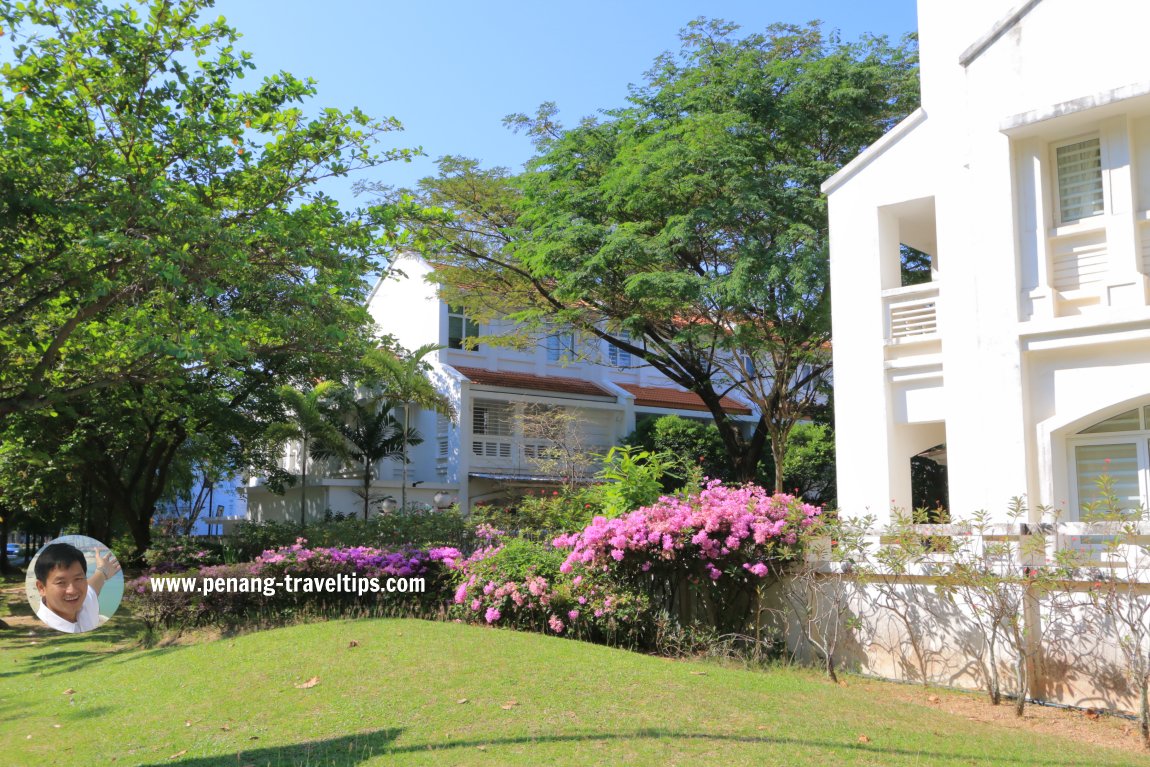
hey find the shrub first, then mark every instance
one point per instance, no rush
(693, 443)
(265, 600)
(718, 545)
(176, 553)
(412, 527)
(542, 516)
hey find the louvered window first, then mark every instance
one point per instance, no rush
(617, 357)
(492, 419)
(1079, 180)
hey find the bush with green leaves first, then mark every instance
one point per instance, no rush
(414, 527)
(690, 442)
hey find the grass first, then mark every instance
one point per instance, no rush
(394, 699)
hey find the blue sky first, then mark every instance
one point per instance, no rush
(450, 71)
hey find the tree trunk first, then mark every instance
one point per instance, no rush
(5, 568)
(1020, 677)
(1144, 711)
(831, 668)
(303, 485)
(995, 693)
(368, 476)
(403, 435)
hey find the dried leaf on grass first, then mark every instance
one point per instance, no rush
(308, 684)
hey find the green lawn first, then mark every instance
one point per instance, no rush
(395, 699)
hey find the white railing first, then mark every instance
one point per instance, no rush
(520, 454)
(911, 312)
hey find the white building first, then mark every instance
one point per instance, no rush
(1026, 176)
(490, 454)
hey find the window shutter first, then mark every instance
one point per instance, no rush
(1079, 180)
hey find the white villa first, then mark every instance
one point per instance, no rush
(1025, 175)
(488, 455)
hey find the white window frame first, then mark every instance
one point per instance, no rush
(465, 324)
(561, 346)
(616, 357)
(1102, 174)
(1140, 439)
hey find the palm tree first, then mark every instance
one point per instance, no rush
(403, 378)
(310, 424)
(369, 433)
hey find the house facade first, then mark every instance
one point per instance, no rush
(524, 414)
(1024, 362)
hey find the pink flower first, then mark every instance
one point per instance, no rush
(573, 615)
(475, 605)
(492, 615)
(556, 624)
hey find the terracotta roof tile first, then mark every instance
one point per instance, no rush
(676, 399)
(532, 382)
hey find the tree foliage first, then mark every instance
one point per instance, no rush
(166, 259)
(686, 228)
(154, 218)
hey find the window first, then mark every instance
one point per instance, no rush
(1079, 168)
(561, 346)
(459, 327)
(616, 357)
(1117, 448)
(491, 419)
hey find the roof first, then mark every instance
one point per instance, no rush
(676, 399)
(533, 382)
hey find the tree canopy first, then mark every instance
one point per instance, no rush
(154, 218)
(687, 227)
(167, 261)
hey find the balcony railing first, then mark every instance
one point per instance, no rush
(911, 312)
(520, 454)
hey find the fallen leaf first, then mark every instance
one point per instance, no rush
(461, 700)
(482, 748)
(698, 673)
(178, 754)
(27, 737)
(864, 739)
(1091, 713)
(226, 728)
(762, 727)
(509, 705)
(69, 691)
(308, 684)
(353, 643)
(187, 722)
(57, 726)
(934, 699)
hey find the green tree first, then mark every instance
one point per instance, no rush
(404, 377)
(310, 424)
(687, 228)
(153, 218)
(369, 433)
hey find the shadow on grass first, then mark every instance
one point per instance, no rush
(58, 653)
(353, 750)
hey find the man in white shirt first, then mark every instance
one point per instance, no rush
(69, 599)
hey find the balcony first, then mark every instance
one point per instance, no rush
(911, 313)
(527, 456)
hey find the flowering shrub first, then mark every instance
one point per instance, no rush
(173, 553)
(263, 602)
(517, 582)
(723, 530)
(716, 545)
(410, 528)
